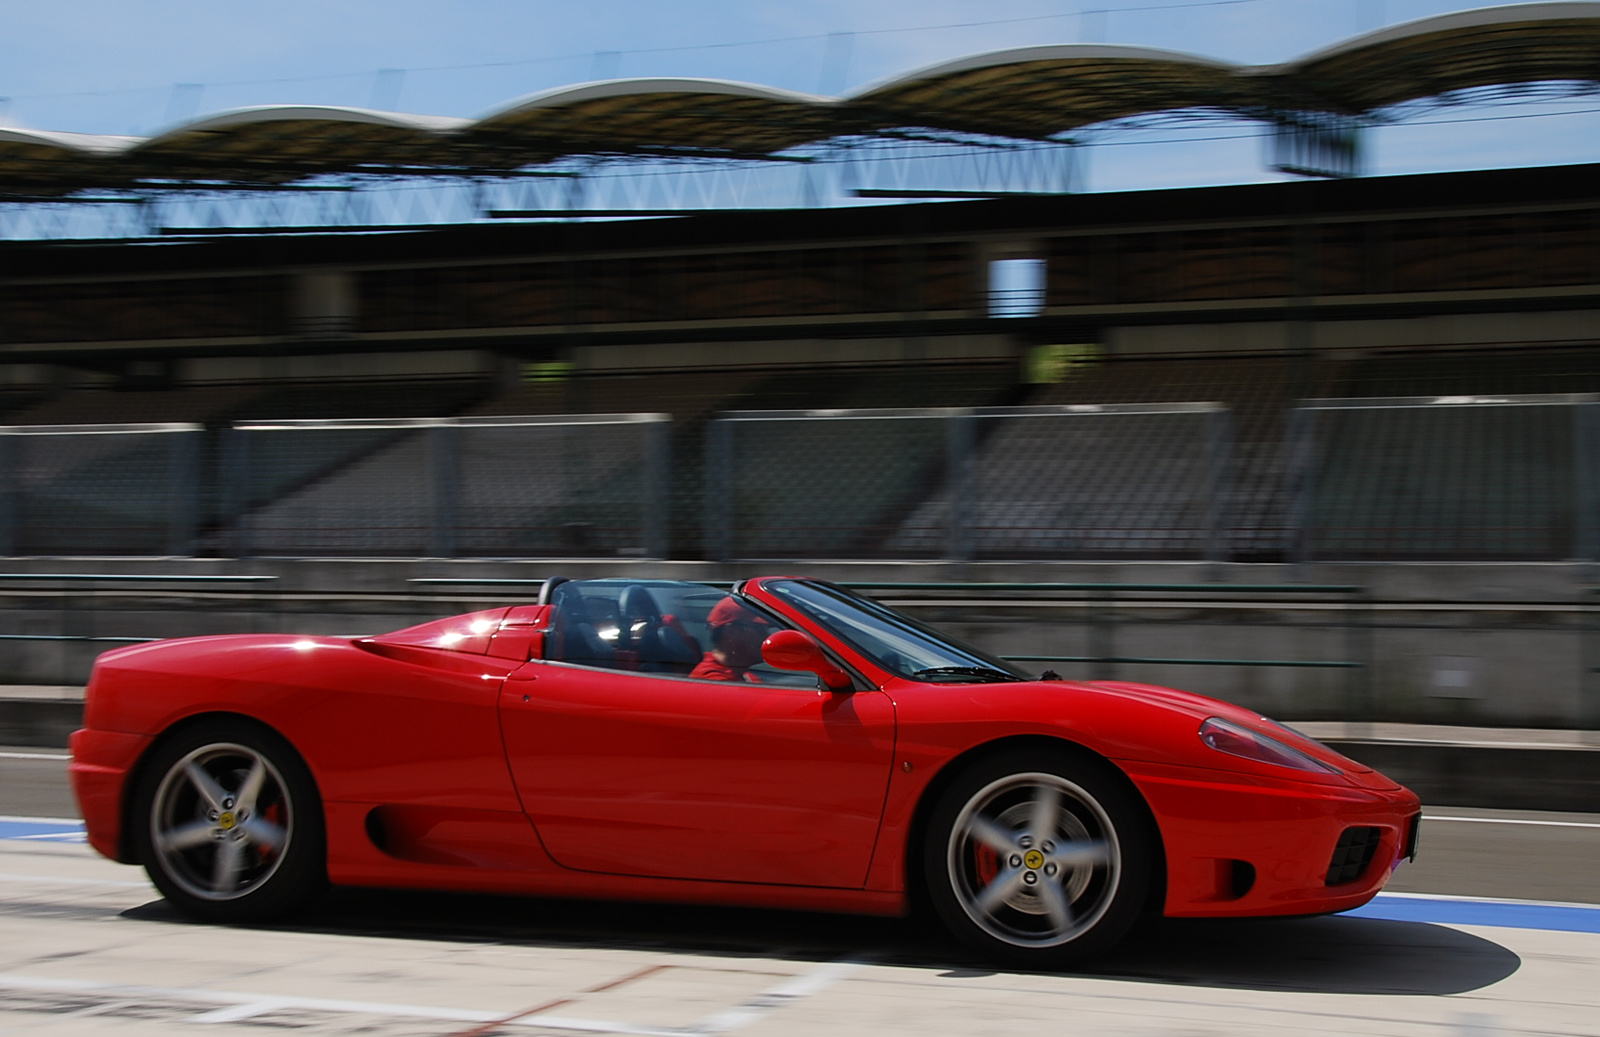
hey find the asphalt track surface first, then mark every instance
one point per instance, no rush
(1488, 933)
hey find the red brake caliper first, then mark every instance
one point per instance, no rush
(987, 862)
(274, 815)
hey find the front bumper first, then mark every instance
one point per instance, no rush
(1239, 845)
(102, 765)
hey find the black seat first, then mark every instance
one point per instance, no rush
(660, 644)
(573, 636)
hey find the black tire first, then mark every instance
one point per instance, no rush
(227, 821)
(1039, 859)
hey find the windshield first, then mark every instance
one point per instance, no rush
(896, 642)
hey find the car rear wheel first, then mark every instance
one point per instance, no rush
(1039, 859)
(228, 824)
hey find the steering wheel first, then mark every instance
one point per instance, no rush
(638, 616)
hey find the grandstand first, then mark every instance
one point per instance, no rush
(1126, 486)
(1345, 367)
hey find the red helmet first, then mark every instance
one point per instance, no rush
(732, 610)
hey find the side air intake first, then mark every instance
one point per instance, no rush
(1353, 853)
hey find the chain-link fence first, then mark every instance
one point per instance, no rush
(98, 489)
(842, 484)
(1095, 481)
(587, 485)
(1446, 478)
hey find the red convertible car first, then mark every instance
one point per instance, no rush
(788, 744)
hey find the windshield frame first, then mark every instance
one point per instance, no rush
(957, 653)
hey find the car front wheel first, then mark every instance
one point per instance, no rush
(1039, 859)
(228, 824)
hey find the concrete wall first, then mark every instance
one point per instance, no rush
(1477, 644)
(1556, 327)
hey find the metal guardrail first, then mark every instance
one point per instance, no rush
(135, 578)
(1102, 601)
(179, 579)
(80, 638)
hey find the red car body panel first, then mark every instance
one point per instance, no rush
(632, 775)
(446, 759)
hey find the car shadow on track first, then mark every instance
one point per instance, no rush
(1319, 955)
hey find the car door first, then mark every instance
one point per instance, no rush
(642, 774)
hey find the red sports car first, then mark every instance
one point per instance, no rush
(788, 744)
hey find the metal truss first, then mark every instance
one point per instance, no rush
(839, 173)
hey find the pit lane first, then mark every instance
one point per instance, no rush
(87, 946)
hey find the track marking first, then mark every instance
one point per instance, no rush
(232, 1006)
(488, 1028)
(785, 993)
(1498, 913)
(54, 880)
(1512, 901)
(1511, 821)
(58, 837)
(41, 828)
(35, 756)
(231, 999)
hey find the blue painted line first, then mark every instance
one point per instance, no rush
(1507, 914)
(49, 831)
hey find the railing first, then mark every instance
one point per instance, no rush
(1337, 628)
(1446, 478)
(86, 583)
(1101, 600)
(1405, 479)
(99, 489)
(1145, 480)
(514, 486)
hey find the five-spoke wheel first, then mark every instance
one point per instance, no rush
(1038, 858)
(228, 824)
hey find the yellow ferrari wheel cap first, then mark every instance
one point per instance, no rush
(225, 822)
(1033, 859)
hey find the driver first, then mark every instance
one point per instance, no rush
(736, 635)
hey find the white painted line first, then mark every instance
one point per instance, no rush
(20, 819)
(785, 993)
(100, 1009)
(1511, 821)
(234, 1013)
(54, 880)
(1487, 900)
(35, 756)
(57, 837)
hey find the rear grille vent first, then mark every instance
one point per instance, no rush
(1352, 855)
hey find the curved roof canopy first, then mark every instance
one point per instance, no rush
(1043, 91)
(40, 161)
(280, 143)
(1028, 93)
(655, 115)
(1494, 46)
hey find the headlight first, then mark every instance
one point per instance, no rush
(1237, 740)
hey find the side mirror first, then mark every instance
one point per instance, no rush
(794, 650)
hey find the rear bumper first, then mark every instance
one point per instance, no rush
(1243, 846)
(102, 762)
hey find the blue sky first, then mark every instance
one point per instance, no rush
(114, 66)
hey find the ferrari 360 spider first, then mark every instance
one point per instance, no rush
(786, 744)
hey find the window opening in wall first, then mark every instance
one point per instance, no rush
(1016, 287)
